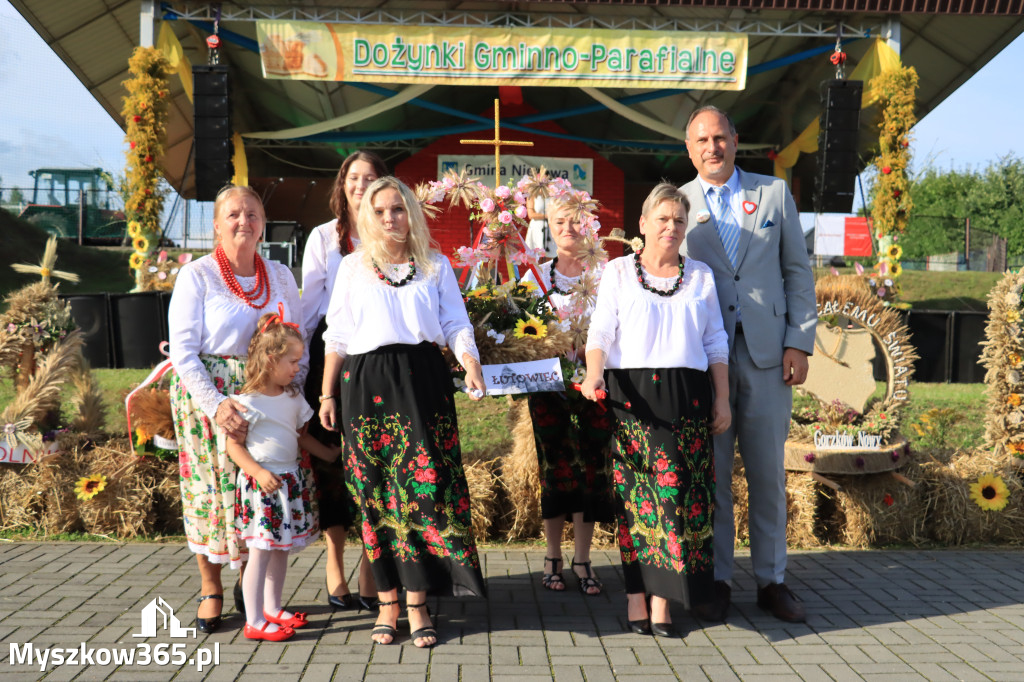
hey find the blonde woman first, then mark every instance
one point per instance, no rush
(395, 302)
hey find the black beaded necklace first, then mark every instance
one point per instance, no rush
(554, 287)
(645, 285)
(400, 283)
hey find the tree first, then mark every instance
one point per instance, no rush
(990, 198)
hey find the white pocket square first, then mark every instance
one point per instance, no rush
(768, 223)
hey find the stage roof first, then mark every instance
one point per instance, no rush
(790, 42)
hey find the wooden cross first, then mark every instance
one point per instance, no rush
(497, 142)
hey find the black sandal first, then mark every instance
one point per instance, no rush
(384, 629)
(422, 633)
(588, 581)
(208, 625)
(554, 577)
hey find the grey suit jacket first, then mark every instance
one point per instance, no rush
(772, 284)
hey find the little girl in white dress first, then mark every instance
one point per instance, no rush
(275, 511)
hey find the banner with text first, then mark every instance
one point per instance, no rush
(838, 234)
(458, 55)
(580, 172)
(524, 377)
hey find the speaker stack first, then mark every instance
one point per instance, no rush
(212, 125)
(838, 157)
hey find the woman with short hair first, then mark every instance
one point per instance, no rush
(655, 336)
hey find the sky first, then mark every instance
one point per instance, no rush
(48, 118)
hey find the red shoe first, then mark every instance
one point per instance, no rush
(297, 620)
(278, 635)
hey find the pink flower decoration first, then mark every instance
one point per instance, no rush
(519, 197)
(521, 211)
(185, 258)
(859, 268)
(487, 205)
(161, 275)
(505, 217)
(161, 257)
(503, 192)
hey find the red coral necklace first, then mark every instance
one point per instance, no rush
(260, 291)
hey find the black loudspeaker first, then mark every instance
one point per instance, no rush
(968, 333)
(140, 325)
(838, 158)
(213, 147)
(91, 312)
(930, 334)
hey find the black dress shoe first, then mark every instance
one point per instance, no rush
(717, 608)
(344, 601)
(208, 625)
(239, 598)
(641, 627)
(780, 601)
(367, 603)
(664, 629)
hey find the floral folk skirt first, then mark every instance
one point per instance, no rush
(207, 473)
(404, 469)
(336, 506)
(664, 480)
(572, 437)
(282, 520)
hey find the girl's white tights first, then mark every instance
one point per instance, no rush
(263, 584)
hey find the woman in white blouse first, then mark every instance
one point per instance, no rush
(326, 246)
(657, 330)
(571, 434)
(395, 302)
(216, 303)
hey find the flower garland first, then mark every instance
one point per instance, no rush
(1003, 357)
(145, 114)
(891, 200)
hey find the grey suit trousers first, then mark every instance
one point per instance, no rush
(761, 404)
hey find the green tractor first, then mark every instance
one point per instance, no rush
(76, 203)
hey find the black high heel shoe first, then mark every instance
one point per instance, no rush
(367, 603)
(344, 601)
(660, 629)
(239, 598)
(424, 632)
(209, 625)
(642, 626)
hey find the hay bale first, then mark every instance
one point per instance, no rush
(520, 477)
(802, 499)
(954, 518)
(483, 498)
(878, 509)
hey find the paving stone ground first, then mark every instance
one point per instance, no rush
(873, 615)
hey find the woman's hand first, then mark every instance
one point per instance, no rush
(474, 377)
(269, 483)
(329, 413)
(721, 415)
(591, 385)
(229, 419)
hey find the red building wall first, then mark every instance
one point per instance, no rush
(452, 227)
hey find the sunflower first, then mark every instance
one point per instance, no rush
(479, 292)
(1013, 399)
(142, 437)
(1016, 448)
(89, 486)
(134, 229)
(989, 492)
(894, 252)
(135, 261)
(531, 327)
(140, 243)
(1012, 316)
(529, 287)
(895, 269)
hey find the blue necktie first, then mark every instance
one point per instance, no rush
(728, 228)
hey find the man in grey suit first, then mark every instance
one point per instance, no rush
(746, 228)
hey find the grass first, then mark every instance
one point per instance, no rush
(100, 269)
(940, 290)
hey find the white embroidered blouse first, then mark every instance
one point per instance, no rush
(204, 317)
(637, 328)
(366, 313)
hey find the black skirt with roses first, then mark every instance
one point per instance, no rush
(404, 468)
(572, 437)
(663, 474)
(336, 505)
